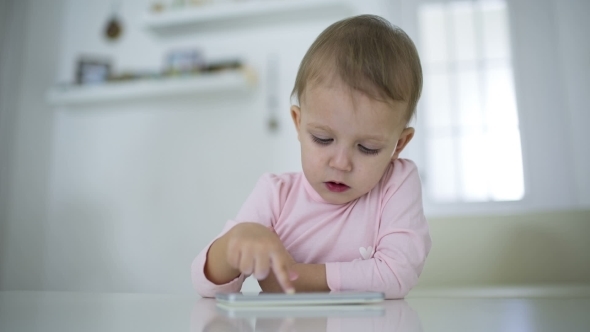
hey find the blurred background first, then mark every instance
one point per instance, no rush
(131, 130)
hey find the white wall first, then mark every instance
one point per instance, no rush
(28, 52)
(121, 197)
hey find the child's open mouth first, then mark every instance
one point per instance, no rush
(336, 187)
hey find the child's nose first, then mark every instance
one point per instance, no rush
(341, 160)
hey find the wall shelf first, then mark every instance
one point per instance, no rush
(209, 13)
(234, 80)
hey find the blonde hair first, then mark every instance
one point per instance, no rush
(369, 55)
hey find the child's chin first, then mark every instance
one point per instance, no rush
(338, 198)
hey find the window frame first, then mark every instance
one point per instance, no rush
(547, 185)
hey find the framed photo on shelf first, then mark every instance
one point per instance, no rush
(92, 70)
(184, 61)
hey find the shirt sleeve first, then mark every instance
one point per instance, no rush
(261, 206)
(402, 245)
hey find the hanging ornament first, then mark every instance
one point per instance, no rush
(114, 27)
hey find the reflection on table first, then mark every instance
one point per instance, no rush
(391, 315)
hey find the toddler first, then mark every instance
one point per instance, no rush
(353, 219)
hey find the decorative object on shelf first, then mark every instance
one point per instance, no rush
(184, 61)
(221, 65)
(188, 64)
(114, 26)
(92, 70)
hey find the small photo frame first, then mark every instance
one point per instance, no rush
(184, 61)
(92, 70)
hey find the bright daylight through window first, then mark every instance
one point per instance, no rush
(472, 136)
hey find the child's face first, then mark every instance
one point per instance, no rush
(347, 139)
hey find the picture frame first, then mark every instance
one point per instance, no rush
(92, 70)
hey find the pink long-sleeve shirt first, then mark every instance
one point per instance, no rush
(378, 242)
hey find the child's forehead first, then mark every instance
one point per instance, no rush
(332, 83)
(330, 78)
(339, 100)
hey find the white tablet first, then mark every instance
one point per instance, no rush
(298, 299)
(301, 311)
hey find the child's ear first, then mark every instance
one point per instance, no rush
(402, 142)
(296, 116)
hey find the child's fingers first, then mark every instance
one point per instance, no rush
(246, 262)
(233, 253)
(261, 268)
(281, 271)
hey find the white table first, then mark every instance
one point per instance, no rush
(444, 311)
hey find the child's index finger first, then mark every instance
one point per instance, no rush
(282, 274)
(283, 279)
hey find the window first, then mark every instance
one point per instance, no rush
(472, 142)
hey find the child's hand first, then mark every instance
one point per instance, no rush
(254, 249)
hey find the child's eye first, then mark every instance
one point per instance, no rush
(322, 141)
(368, 151)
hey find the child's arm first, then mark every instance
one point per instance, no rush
(312, 278)
(217, 269)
